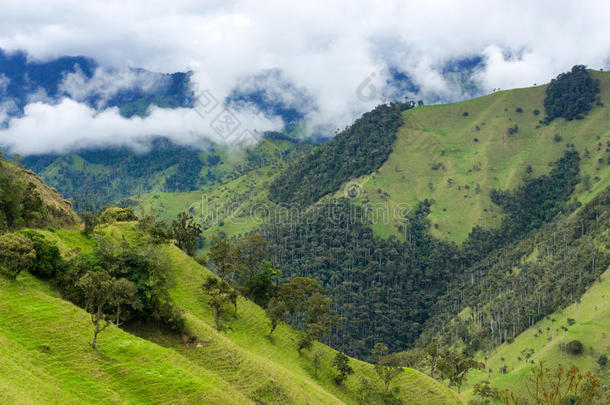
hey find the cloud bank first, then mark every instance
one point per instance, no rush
(326, 48)
(70, 125)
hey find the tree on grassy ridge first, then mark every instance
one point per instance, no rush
(276, 312)
(432, 355)
(341, 363)
(223, 256)
(90, 220)
(365, 387)
(316, 360)
(386, 365)
(252, 253)
(124, 292)
(455, 366)
(186, 232)
(97, 288)
(219, 293)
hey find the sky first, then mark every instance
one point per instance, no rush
(339, 53)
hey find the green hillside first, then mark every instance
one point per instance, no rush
(547, 338)
(26, 201)
(235, 207)
(451, 158)
(456, 153)
(94, 178)
(46, 339)
(451, 155)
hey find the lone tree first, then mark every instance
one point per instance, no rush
(219, 293)
(222, 255)
(186, 232)
(276, 312)
(365, 387)
(102, 294)
(316, 360)
(305, 300)
(320, 319)
(341, 363)
(386, 365)
(261, 287)
(16, 254)
(432, 355)
(252, 252)
(455, 367)
(97, 289)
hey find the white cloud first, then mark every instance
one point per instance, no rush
(328, 48)
(70, 125)
(105, 84)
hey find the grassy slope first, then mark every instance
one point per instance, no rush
(233, 161)
(442, 134)
(132, 370)
(224, 208)
(245, 353)
(592, 328)
(240, 366)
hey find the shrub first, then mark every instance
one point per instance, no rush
(557, 138)
(16, 254)
(571, 321)
(519, 110)
(465, 114)
(602, 360)
(48, 259)
(575, 347)
(116, 214)
(513, 130)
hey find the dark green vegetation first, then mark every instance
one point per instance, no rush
(386, 289)
(95, 178)
(244, 267)
(358, 150)
(513, 288)
(571, 95)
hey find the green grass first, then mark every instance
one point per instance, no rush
(234, 207)
(440, 134)
(592, 328)
(240, 366)
(131, 369)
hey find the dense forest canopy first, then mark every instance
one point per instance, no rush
(358, 150)
(571, 94)
(386, 289)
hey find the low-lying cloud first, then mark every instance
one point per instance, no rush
(70, 125)
(105, 84)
